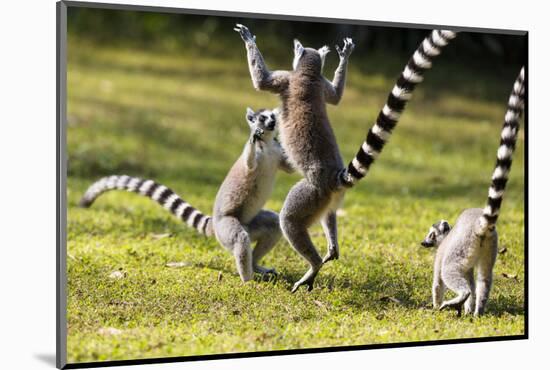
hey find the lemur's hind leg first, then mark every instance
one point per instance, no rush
(470, 303)
(484, 279)
(456, 280)
(330, 228)
(233, 236)
(438, 289)
(265, 230)
(304, 204)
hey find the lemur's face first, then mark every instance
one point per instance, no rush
(263, 123)
(437, 233)
(309, 58)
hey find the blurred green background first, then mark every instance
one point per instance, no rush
(164, 96)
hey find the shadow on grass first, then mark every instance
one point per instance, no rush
(504, 305)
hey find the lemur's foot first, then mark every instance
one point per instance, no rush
(478, 312)
(468, 309)
(265, 270)
(266, 274)
(307, 279)
(332, 254)
(455, 306)
(245, 33)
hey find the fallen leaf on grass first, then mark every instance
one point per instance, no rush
(502, 250)
(109, 331)
(220, 276)
(161, 236)
(178, 264)
(390, 299)
(116, 275)
(319, 304)
(510, 276)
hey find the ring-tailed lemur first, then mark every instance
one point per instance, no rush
(309, 141)
(238, 218)
(473, 241)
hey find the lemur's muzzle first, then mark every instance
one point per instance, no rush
(270, 125)
(427, 243)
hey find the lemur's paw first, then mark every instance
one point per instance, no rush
(245, 33)
(298, 284)
(468, 310)
(257, 135)
(332, 254)
(455, 306)
(265, 270)
(478, 313)
(307, 280)
(345, 52)
(266, 274)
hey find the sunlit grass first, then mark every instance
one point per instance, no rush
(181, 120)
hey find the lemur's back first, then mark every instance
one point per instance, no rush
(462, 245)
(306, 132)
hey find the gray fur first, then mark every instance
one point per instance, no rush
(460, 251)
(473, 242)
(238, 219)
(309, 142)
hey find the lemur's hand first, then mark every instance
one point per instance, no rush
(245, 33)
(257, 135)
(348, 48)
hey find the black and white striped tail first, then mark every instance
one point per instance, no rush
(388, 117)
(508, 138)
(163, 195)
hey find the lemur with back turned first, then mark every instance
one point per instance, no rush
(309, 142)
(473, 242)
(238, 218)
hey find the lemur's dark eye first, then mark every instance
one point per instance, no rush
(272, 116)
(432, 235)
(262, 119)
(250, 118)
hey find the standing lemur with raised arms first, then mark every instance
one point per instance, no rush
(308, 139)
(473, 241)
(238, 218)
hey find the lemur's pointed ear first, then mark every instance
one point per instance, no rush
(323, 53)
(276, 111)
(298, 52)
(298, 48)
(444, 226)
(249, 115)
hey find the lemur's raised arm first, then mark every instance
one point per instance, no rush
(262, 78)
(335, 89)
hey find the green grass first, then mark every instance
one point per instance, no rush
(180, 120)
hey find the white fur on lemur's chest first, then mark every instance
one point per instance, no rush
(268, 157)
